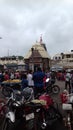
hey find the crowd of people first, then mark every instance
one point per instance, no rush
(67, 77)
(37, 79)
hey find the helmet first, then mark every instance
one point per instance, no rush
(28, 94)
(17, 95)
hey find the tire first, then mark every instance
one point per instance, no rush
(52, 116)
(6, 91)
(55, 89)
(7, 125)
(30, 124)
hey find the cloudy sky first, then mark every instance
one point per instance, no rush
(23, 21)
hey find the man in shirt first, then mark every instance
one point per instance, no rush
(29, 78)
(38, 77)
(67, 81)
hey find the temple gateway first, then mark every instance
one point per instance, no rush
(37, 56)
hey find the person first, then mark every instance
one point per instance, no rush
(52, 77)
(72, 81)
(67, 81)
(17, 75)
(64, 96)
(24, 81)
(12, 75)
(29, 78)
(1, 77)
(6, 76)
(48, 74)
(38, 77)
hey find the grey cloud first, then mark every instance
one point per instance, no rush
(22, 22)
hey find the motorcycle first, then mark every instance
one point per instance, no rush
(20, 112)
(8, 85)
(14, 110)
(50, 113)
(11, 108)
(23, 112)
(51, 87)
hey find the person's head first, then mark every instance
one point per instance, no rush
(24, 76)
(39, 69)
(6, 72)
(30, 71)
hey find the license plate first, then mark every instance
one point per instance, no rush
(66, 106)
(30, 116)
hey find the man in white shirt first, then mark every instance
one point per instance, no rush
(29, 78)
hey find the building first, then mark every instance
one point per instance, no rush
(12, 62)
(57, 57)
(64, 59)
(37, 56)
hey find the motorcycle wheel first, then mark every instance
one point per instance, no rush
(55, 89)
(7, 125)
(6, 91)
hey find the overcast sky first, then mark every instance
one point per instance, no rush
(23, 21)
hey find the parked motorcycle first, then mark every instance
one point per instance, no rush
(11, 113)
(21, 112)
(14, 110)
(8, 85)
(51, 86)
